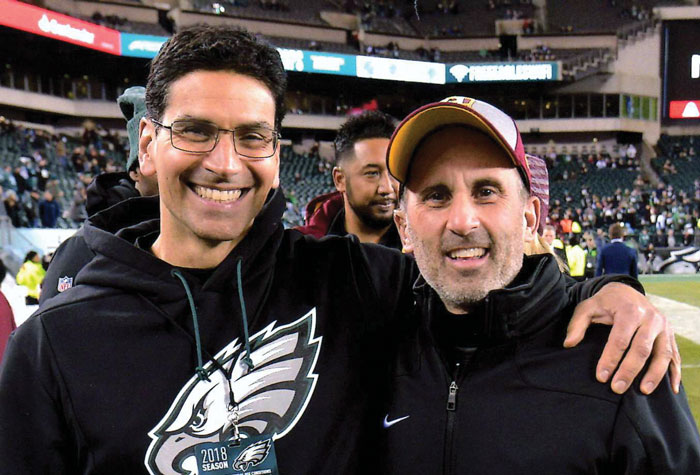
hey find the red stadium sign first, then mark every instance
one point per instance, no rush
(60, 27)
(684, 110)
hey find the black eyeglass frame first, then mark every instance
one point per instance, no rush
(276, 136)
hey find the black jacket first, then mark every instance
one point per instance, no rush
(103, 379)
(523, 404)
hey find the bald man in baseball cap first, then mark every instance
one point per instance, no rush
(481, 383)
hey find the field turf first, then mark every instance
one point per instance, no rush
(682, 288)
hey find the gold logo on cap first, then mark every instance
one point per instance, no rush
(466, 101)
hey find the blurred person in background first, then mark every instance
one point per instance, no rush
(549, 234)
(12, 208)
(30, 275)
(617, 257)
(49, 211)
(366, 194)
(591, 254)
(660, 239)
(77, 211)
(7, 319)
(576, 257)
(671, 238)
(644, 240)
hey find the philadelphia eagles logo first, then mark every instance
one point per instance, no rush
(271, 398)
(252, 455)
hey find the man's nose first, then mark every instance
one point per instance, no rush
(224, 159)
(387, 184)
(463, 215)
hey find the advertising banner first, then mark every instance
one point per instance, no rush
(400, 70)
(317, 62)
(60, 27)
(510, 72)
(141, 46)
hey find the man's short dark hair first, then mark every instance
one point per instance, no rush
(215, 48)
(367, 125)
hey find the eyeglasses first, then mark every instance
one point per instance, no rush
(197, 136)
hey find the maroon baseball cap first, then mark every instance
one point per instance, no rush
(455, 110)
(539, 186)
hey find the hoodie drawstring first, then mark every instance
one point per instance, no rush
(201, 372)
(244, 316)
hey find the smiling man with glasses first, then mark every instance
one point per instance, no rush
(208, 339)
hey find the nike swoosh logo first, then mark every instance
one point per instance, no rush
(388, 423)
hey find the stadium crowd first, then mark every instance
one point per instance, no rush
(43, 177)
(37, 191)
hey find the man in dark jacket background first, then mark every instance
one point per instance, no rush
(49, 211)
(617, 257)
(480, 384)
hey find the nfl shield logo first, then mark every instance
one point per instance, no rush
(64, 283)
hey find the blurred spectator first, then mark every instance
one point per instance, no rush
(660, 239)
(617, 257)
(576, 258)
(49, 211)
(591, 254)
(688, 235)
(671, 239)
(30, 275)
(77, 211)
(644, 240)
(7, 319)
(549, 234)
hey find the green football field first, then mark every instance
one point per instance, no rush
(683, 288)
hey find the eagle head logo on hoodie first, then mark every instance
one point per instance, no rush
(271, 397)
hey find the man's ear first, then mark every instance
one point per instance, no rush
(401, 223)
(531, 218)
(147, 144)
(276, 183)
(339, 179)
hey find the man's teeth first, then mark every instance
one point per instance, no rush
(468, 253)
(217, 195)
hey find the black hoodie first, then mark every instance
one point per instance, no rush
(107, 378)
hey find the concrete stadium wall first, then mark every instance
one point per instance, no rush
(186, 18)
(60, 105)
(87, 9)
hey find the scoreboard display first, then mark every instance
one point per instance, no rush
(680, 72)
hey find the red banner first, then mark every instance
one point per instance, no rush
(684, 110)
(60, 27)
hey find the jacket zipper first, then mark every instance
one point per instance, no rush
(451, 419)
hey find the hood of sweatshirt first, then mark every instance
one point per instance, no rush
(320, 213)
(107, 190)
